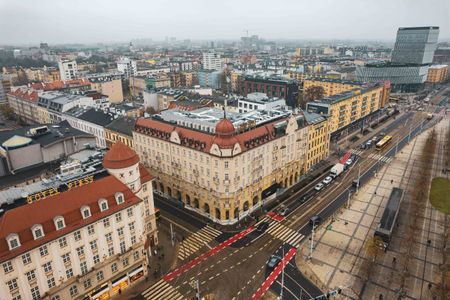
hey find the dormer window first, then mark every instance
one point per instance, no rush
(119, 198)
(13, 241)
(85, 212)
(59, 222)
(103, 204)
(38, 232)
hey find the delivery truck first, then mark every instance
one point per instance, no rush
(336, 170)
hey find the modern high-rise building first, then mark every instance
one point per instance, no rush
(127, 66)
(413, 53)
(415, 45)
(68, 69)
(212, 61)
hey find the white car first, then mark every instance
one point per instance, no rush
(318, 187)
(327, 180)
(349, 162)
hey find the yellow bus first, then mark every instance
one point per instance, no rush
(384, 141)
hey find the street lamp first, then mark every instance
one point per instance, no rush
(312, 238)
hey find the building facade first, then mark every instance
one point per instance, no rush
(259, 101)
(127, 66)
(223, 168)
(68, 69)
(272, 87)
(318, 139)
(121, 129)
(209, 78)
(24, 104)
(91, 239)
(212, 61)
(331, 86)
(438, 73)
(109, 85)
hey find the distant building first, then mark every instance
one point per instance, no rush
(24, 101)
(127, 66)
(442, 55)
(260, 101)
(209, 78)
(438, 73)
(272, 86)
(412, 55)
(109, 85)
(68, 69)
(331, 86)
(5, 88)
(212, 61)
(72, 86)
(90, 238)
(29, 147)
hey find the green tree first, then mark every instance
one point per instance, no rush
(313, 93)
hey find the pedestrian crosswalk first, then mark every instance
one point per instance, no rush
(282, 232)
(382, 158)
(196, 241)
(162, 290)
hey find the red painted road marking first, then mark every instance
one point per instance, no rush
(202, 257)
(275, 216)
(273, 275)
(346, 156)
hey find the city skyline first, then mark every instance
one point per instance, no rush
(56, 23)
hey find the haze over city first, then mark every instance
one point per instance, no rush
(58, 22)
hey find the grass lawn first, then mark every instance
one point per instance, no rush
(440, 194)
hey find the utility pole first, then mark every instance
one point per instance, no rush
(349, 196)
(312, 240)
(171, 234)
(198, 289)
(282, 276)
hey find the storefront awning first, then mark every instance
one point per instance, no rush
(101, 291)
(135, 271)
(119, 280)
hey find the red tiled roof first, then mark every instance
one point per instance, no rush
(25, 94)
(120, 156)
(59, 84)
(67, 204)
(203, 141)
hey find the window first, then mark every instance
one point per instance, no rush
(118, 217)
(226, 165)
(119, 198)
(35, 295)
(43, 250)
(80, 251)
(91, 229)
(73, 290)
(77, 235)
(59, 222)
(57, 297)
(51, 282)
(93, 244)
(130, 211)
(38, 232)
(47, 267)
(62, 242)
(31, 275)
(111, 251)
(131, 226)
(83, 267)
(136, 255)
(87, 283)
(7, 267)
(120, 231)
(96, 259)
(66, 258)
(106, 222)
(85, 212)
(144, 187)
(100, 275)
(122, 247)
(69, 273)
(103, 204)
(13, 241)
(108, 237)
(26, 258)
(12, 284)
(114, 267)
(18, 297)
(133, 240)
(125, 262)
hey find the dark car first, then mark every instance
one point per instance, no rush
(362, 146)
(304, 198)
(262, 227)
(315, 220)
(283, 211)
(273, 261)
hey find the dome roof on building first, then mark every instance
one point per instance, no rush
(120, 156)
(16, 141)
(225, 127)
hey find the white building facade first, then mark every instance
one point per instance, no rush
(68, 69)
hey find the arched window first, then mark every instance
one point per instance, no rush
(59, 222)
(120, 198)
(13, 241)
(103, 204)
(85, 212)
(38, 232)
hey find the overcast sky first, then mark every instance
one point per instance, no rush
(73, 21)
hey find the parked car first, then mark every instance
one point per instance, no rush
(362, 146)
(304, 198)
(262, 227)
(382, 134)
(318, 187)
(327, 180)
(349, 162)
(369, 143)
(283, 211)
(375, 139)
(274, 260)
